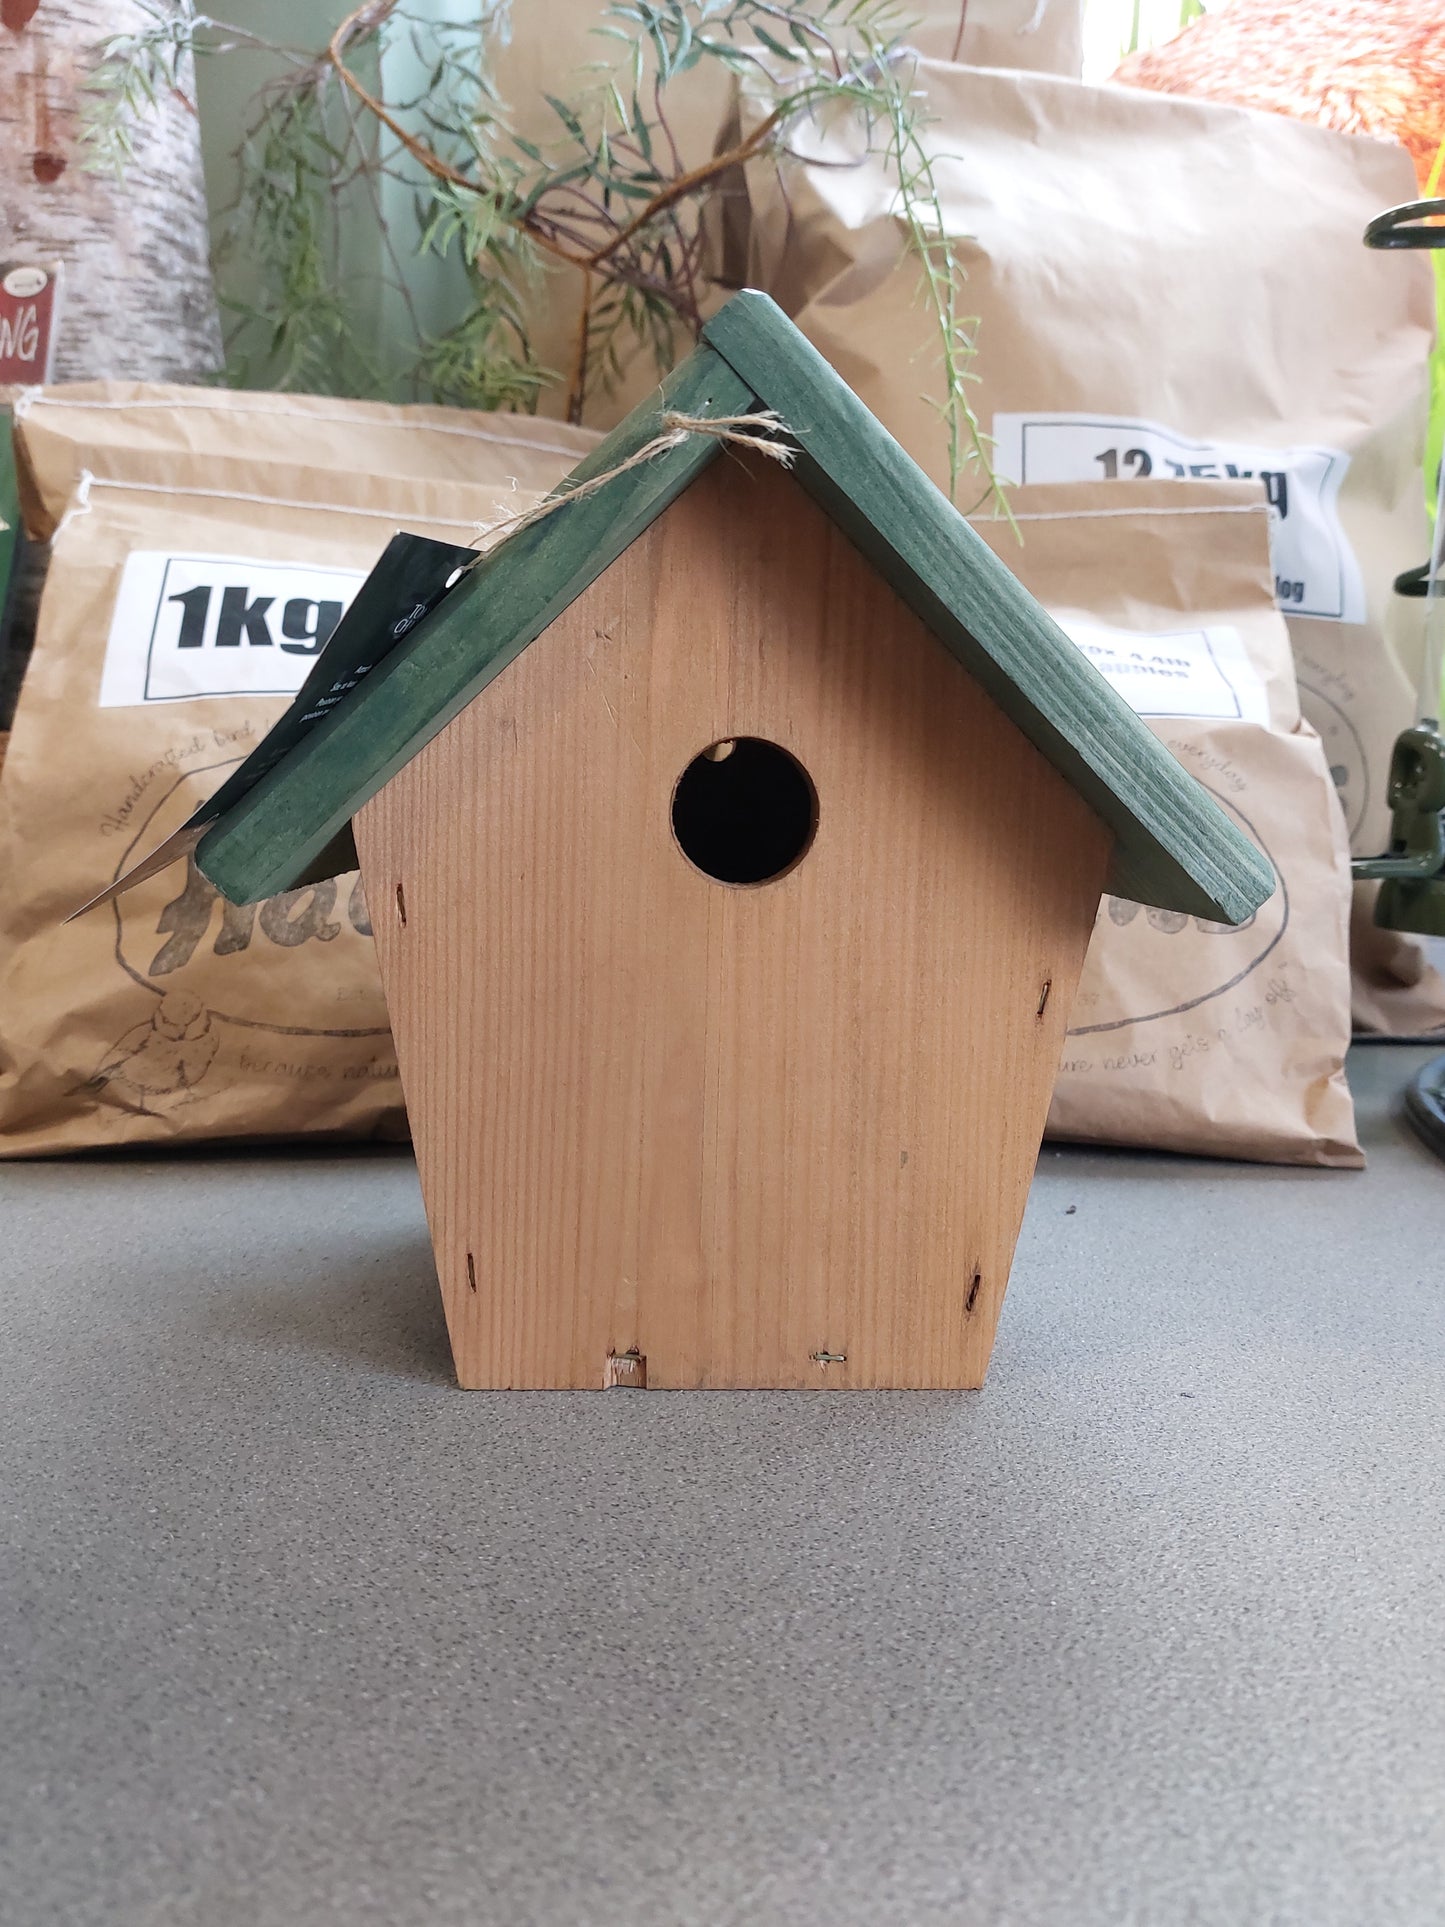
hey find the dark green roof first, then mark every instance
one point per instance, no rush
(1174, 847)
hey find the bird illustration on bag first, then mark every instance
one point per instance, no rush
(157, 1064)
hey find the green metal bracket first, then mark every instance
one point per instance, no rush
(1425, 1104)
(1412, 870)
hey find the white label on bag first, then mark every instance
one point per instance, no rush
(1189, 672)
(1315, 570)
(218, 625)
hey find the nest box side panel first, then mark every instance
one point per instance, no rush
(757, 1134)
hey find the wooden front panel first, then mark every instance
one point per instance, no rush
(729, 1128)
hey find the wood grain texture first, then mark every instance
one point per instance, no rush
(274, 837)
(1175, 848)
(732, 1128)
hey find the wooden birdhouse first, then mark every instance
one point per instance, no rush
(733, 836)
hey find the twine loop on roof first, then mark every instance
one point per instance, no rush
(761, 431)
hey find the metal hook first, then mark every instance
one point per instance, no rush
(1407, 226)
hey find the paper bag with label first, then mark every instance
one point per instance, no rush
(1187, 1035)
(1164, 288)
(206, 546)
(409, 579)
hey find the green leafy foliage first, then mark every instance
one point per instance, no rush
(135, 73)
(608, 195)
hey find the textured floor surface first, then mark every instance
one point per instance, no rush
(1149, 1634)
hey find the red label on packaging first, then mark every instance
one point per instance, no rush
(29, 298)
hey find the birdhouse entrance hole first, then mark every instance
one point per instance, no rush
(744, 811)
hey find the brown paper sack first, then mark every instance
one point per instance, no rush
(169, 1015)
(1188, 1035)
(1163, 287)
(550, 49)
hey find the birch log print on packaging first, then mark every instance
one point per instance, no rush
(136, 296)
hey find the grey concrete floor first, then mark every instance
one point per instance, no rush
(1152, 1631)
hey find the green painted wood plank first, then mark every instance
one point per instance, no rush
(1175, 847)
(275, 836)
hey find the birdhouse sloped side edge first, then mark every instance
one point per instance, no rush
(1174, 847)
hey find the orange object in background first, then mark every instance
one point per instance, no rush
(1360, 66)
